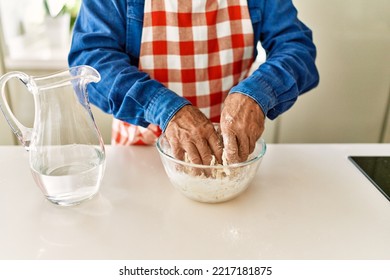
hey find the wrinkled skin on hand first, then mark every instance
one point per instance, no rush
(191, 132)
(242, 123)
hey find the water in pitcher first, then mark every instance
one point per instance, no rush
(75, 176)
(65, 147)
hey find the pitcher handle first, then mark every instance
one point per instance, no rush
(22, 132)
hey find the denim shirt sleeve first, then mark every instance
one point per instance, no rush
(289, 69)
(100, 39)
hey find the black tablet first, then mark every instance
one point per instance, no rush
(376, 169)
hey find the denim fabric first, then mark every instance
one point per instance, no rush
(107, 36)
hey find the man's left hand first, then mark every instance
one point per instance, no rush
(242, 123)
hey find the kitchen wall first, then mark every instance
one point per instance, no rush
(351, 104)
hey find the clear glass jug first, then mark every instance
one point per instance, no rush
(66, 150)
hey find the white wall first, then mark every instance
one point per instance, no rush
(353, 41)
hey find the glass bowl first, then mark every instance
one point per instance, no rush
(210, 184)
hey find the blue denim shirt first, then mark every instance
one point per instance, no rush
(107, 36)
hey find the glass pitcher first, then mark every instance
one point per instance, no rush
(66, 150)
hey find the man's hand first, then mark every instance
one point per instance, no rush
(189, 131)
(242, 123)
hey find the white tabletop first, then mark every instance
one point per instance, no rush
(307, 202)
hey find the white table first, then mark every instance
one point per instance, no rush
(307, 202)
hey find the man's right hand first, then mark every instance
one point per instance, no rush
(191, 132)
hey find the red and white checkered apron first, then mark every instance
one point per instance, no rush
(198, 49)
